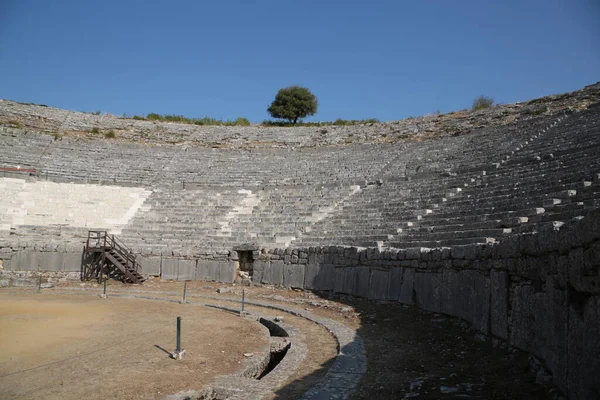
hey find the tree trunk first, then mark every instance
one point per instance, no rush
(295, 120)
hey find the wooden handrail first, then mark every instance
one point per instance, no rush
(110, 241)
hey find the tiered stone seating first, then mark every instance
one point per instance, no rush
(549, 181)
(473, 188)
(27, 204)
(104, 161)
(21, 148)
(540, 181)
(276, 166)
(183, 220)
(219, 218)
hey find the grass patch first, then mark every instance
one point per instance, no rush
(95, 131)
(15, 124)
(110, 134)
(337, 122)
(482, 102)
(240, 121)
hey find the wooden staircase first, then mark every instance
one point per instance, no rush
(107, 257)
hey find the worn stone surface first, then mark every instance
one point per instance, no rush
(186, 270)
(276, 275)
(293, 275)
(170, 268)
(428, 289)
(465, 294)
(378, 286)
(150, 265)
(499, 304)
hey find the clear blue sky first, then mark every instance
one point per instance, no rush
(362, 59)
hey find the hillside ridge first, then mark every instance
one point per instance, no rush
(59, 122)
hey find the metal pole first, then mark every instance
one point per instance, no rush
(40, 284)
(178, 335)
(243, 298)
(105, 287)
(184, 290)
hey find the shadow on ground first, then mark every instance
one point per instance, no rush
(414, 354)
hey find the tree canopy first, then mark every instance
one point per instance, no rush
(293, 103)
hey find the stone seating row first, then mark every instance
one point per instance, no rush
(496, 210)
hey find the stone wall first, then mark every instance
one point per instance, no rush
(539, 292)
(17, 258)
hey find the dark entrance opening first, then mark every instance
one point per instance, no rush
(246, 261)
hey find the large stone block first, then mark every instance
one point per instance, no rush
(326, 277)
(345, 280)
(186, 270)
(169, 269)
(363, 278)
(499, 304)
(202, 270)
(395, 276)
(311, 274)
(407, 292)
(293, 275)
(24, 260)
(428, 290)
(527, 318)
(466, 295)
(227, 271)
(258, 270)
(72, 261)
(50, 261)
(211, 270)
(266, 275)
(401, 285)
(575, 352)
(590, 375)
(379, 284)
(554, 332)
(150, 265)
(276, 275)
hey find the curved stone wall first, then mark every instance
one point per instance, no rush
(540, 292)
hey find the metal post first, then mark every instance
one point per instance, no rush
(184, 290)
(179, 352)
(105, 287)
(178, 335)
(243, 298)
(40, 284)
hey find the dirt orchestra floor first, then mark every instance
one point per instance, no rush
(56, 345)
(74, 347)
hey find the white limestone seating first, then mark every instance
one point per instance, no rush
(46, 203)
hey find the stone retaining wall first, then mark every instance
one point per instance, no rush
(67, 259)
(539, 292)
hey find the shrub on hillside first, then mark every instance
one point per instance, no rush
(482, 102)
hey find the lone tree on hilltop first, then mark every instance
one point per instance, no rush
(482, 102)
(292, 103)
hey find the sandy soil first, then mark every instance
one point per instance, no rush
(412, 354)
(73, 347)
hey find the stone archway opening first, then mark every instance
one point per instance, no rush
(246, 261)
